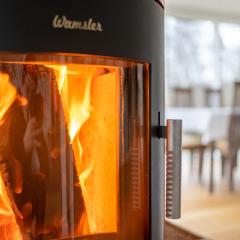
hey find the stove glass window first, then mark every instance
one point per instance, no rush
(74, 147)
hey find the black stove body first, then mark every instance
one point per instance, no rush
(84, 76)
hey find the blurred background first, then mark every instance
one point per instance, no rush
(203, 89)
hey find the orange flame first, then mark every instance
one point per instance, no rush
(8, 95)
(77, 111)
(95, 166)
(61, 74)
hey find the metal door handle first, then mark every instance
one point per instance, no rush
(173, 168)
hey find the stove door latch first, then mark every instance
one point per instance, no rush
(173, 135)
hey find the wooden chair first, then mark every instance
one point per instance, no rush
(192, 142)
(229, 148)
(213, 97)
(183, 97)
(236, 98)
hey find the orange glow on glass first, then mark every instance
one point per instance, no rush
(90, 100)
(8, 222)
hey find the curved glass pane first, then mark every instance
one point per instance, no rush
(73, 147)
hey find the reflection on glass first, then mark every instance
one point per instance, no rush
(61, 124)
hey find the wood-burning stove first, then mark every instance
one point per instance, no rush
(82, 121)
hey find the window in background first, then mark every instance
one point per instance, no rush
(230, 51)
(200, 52)
(189, 52)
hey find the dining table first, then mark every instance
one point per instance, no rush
(211, 123)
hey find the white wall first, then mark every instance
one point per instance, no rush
(217, 10)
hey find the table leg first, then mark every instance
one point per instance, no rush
(211, 182)
(201, 153)
(223, 161)
(191, 160)
(231, 168)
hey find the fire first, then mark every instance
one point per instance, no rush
(61, 74)
(76, 101)
(89, 96)
(8, 94)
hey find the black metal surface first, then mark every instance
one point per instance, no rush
(162, 132)
(132, 29)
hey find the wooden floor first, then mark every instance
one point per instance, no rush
(215, 216)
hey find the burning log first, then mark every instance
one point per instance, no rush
(8, 209)
(82, 138)
(90, 100)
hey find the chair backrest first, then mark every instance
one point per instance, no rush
(236, 99)
(183, 97)
(234, 131)
(213, 97)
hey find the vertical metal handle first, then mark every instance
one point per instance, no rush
(173, 171)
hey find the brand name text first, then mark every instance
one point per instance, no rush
(88, 25)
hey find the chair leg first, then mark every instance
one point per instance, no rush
(235, 158)
(211, 182)
(223, 160)
(201, 153)
(231, 168)
(191, 160)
